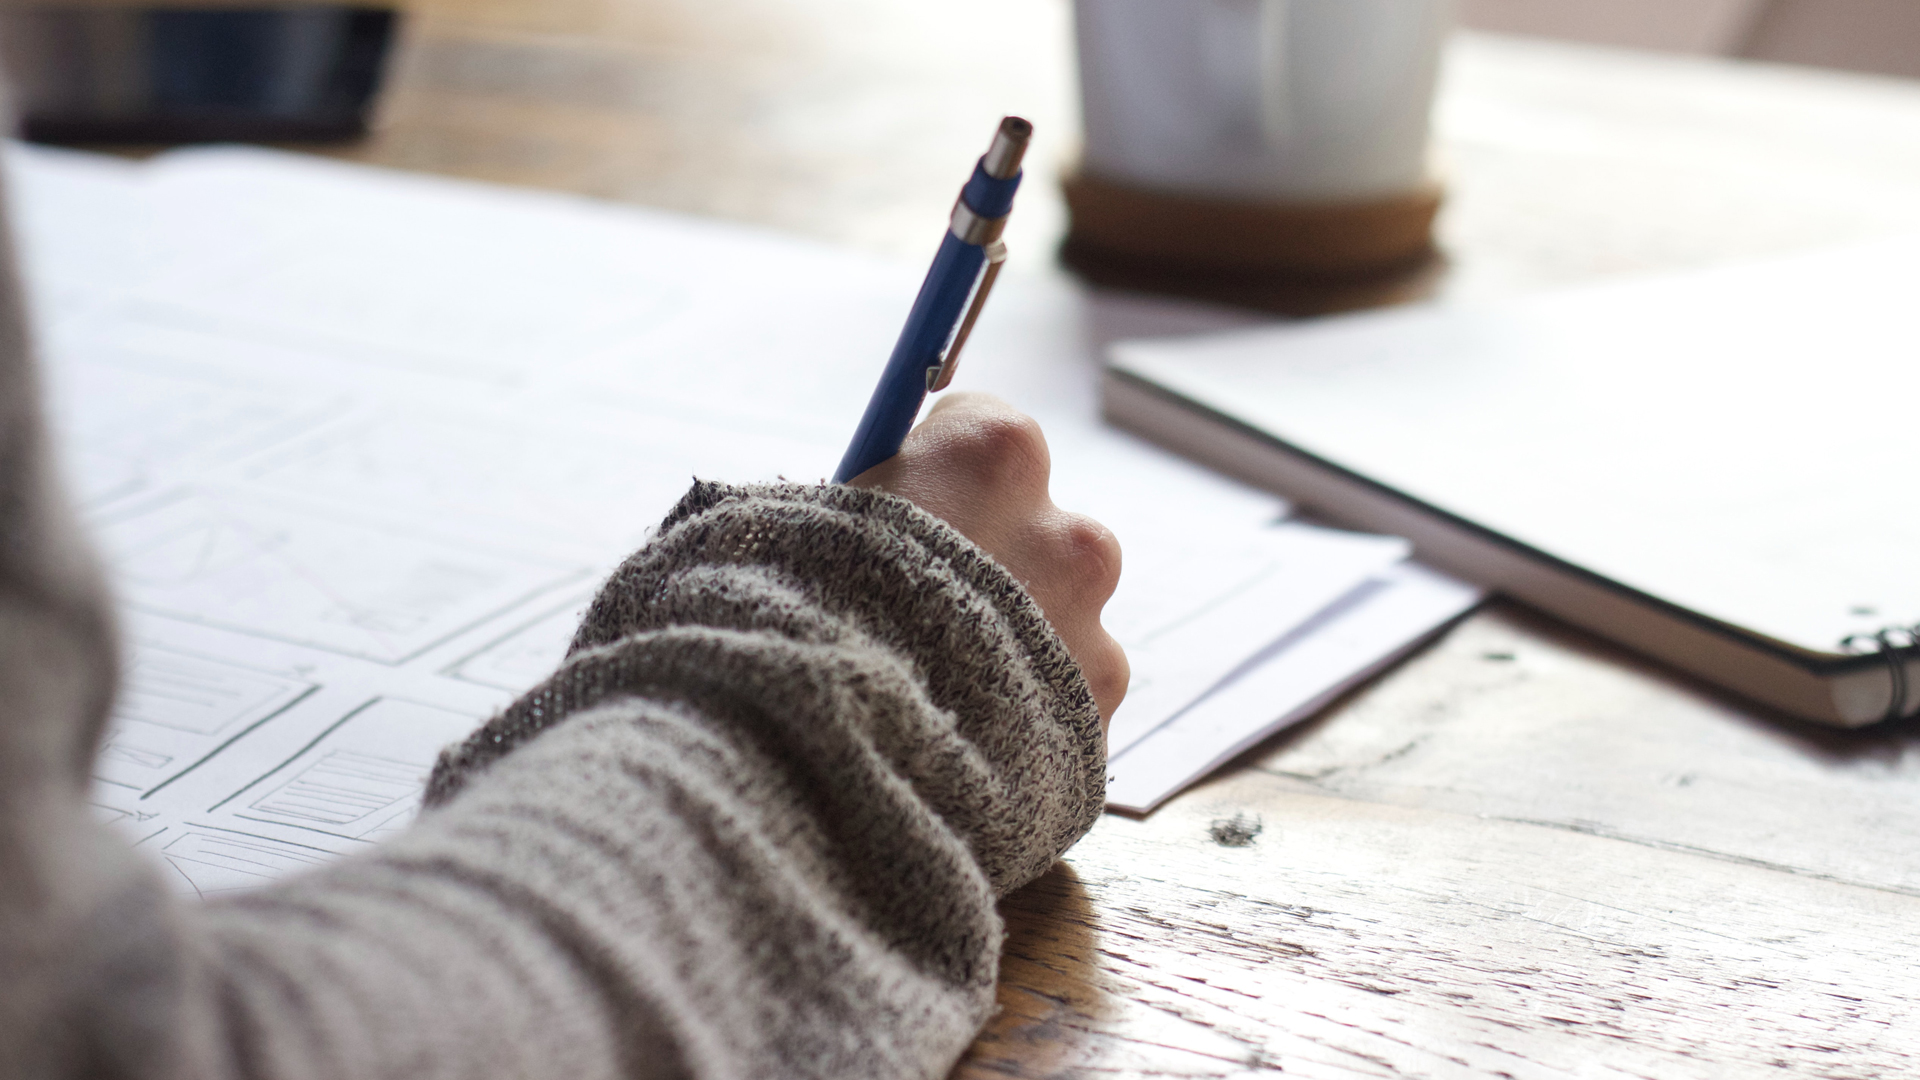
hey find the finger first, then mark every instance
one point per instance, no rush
(1093, 551)
(1070, 563)
(989, 435)
(967, 438)
(1104, 664)
(995, 449)
(965, 399)
(1093, 557)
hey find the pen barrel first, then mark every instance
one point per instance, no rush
(897, 399)
(988, 195)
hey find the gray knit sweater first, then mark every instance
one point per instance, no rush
(754, 827)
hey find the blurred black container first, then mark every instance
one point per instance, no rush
(169, 75)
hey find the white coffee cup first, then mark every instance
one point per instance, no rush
(1281, 100)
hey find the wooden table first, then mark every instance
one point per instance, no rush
(1523, 853)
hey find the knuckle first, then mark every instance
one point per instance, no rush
(1007, 447)
(1094, 553)
(1107, 672)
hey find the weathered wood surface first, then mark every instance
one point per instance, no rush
(1515, 719)
(1524, 853)
(842, 119)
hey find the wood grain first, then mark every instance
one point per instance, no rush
(841, 119)
(1516, 718)
(1524, 853)
(1360, 939)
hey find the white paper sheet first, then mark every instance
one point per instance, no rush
(1295, 677)
(358, 446)
(1195, 612)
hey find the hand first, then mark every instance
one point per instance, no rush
(982, 467)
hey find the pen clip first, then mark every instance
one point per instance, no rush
(941, 374)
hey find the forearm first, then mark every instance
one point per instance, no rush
(756, 826)
(678, 912)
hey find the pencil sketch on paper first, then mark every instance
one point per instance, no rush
(175, 710)
(1235, 599)
(127, 416)
(359, 781)
(206, 862)
(465, 307)
(488, 472)
(136, 824)
(528, 653)
(344, 792)
(307, 578)
(543, 479)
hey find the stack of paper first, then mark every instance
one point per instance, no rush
(1269, 651)
(359, 445)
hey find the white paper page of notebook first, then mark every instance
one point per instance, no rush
(1736, 441)
(309, 530)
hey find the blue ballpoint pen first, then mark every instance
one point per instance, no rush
(950, 299)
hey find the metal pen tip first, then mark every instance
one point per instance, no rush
(1009, 146)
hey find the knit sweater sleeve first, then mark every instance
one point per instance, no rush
(754, 826)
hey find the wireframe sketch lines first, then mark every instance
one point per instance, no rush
(359, 780)
(343, 790)
(502, 471)
(466, 310)
(175, 710)
(529, 653)
(206, 863)
(306, 577)
(125, 415)
(196, 696)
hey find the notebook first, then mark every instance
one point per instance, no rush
(1715, 468)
